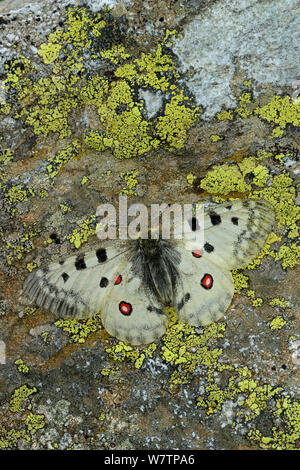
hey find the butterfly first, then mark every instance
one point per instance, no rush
(131, 283)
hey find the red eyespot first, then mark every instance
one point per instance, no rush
(197, 253)
(118, 280)
(125, 308)
(207, 281)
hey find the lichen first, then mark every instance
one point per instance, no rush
(215, 138)
(184, 350)
(28, 424)
(277, 323)
(122, 351)
(130, 178)
(20, 397)
(281, 111)
(21, 366)
(47, 103)
(79, 330)
(279, 302)
(225, 115)
(23, 245)
(87, 228)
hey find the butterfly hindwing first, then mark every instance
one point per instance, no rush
(131, 312)
(204, 291)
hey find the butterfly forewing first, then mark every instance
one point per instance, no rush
(73, 287)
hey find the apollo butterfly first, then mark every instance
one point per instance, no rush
(154, 273)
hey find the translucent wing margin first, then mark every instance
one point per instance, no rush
(235, 232)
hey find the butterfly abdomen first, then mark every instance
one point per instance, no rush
(156, 261)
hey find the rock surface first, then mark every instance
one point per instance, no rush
(162, 102)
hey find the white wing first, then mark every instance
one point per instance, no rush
(101, 280)
(234, 233)
(204, 290)
(131, 312)
(75, 287)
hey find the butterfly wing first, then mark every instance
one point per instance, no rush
(131, 312)
(234, 233)
(101, 280)
(75, 287)
(204, 290)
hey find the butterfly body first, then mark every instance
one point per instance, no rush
(132, 282)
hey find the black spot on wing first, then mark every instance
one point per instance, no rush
(101, 255)
(80, 263)
(65, 276)
(104, 282)
(208, 247)
(183, 301)
(151, 308)
(235, 220)
(215, 218)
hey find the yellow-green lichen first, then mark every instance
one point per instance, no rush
(130, 178)
(285, 437)
(190, 178)
(123, 351)
(107, 371)
(84, 180)
(34, 422)
(49, 52)
(240, 280)
(281, 111)
(177, 119)
(61, 158)
(185, 350)
(6, 156)
(21, 366)
(80, 236)
(256, 302)
(64, 208)
(215, 138)
(245, 100)
(31, 266)
(225, 115)
(29, 310)
(48, 102)
(29, 422)
(252, 397)
(277, 323)
(79, 330)
(20, 397)
(279, 302)
(225, 179)
(22, 245)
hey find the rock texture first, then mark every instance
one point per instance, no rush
(163, 102)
